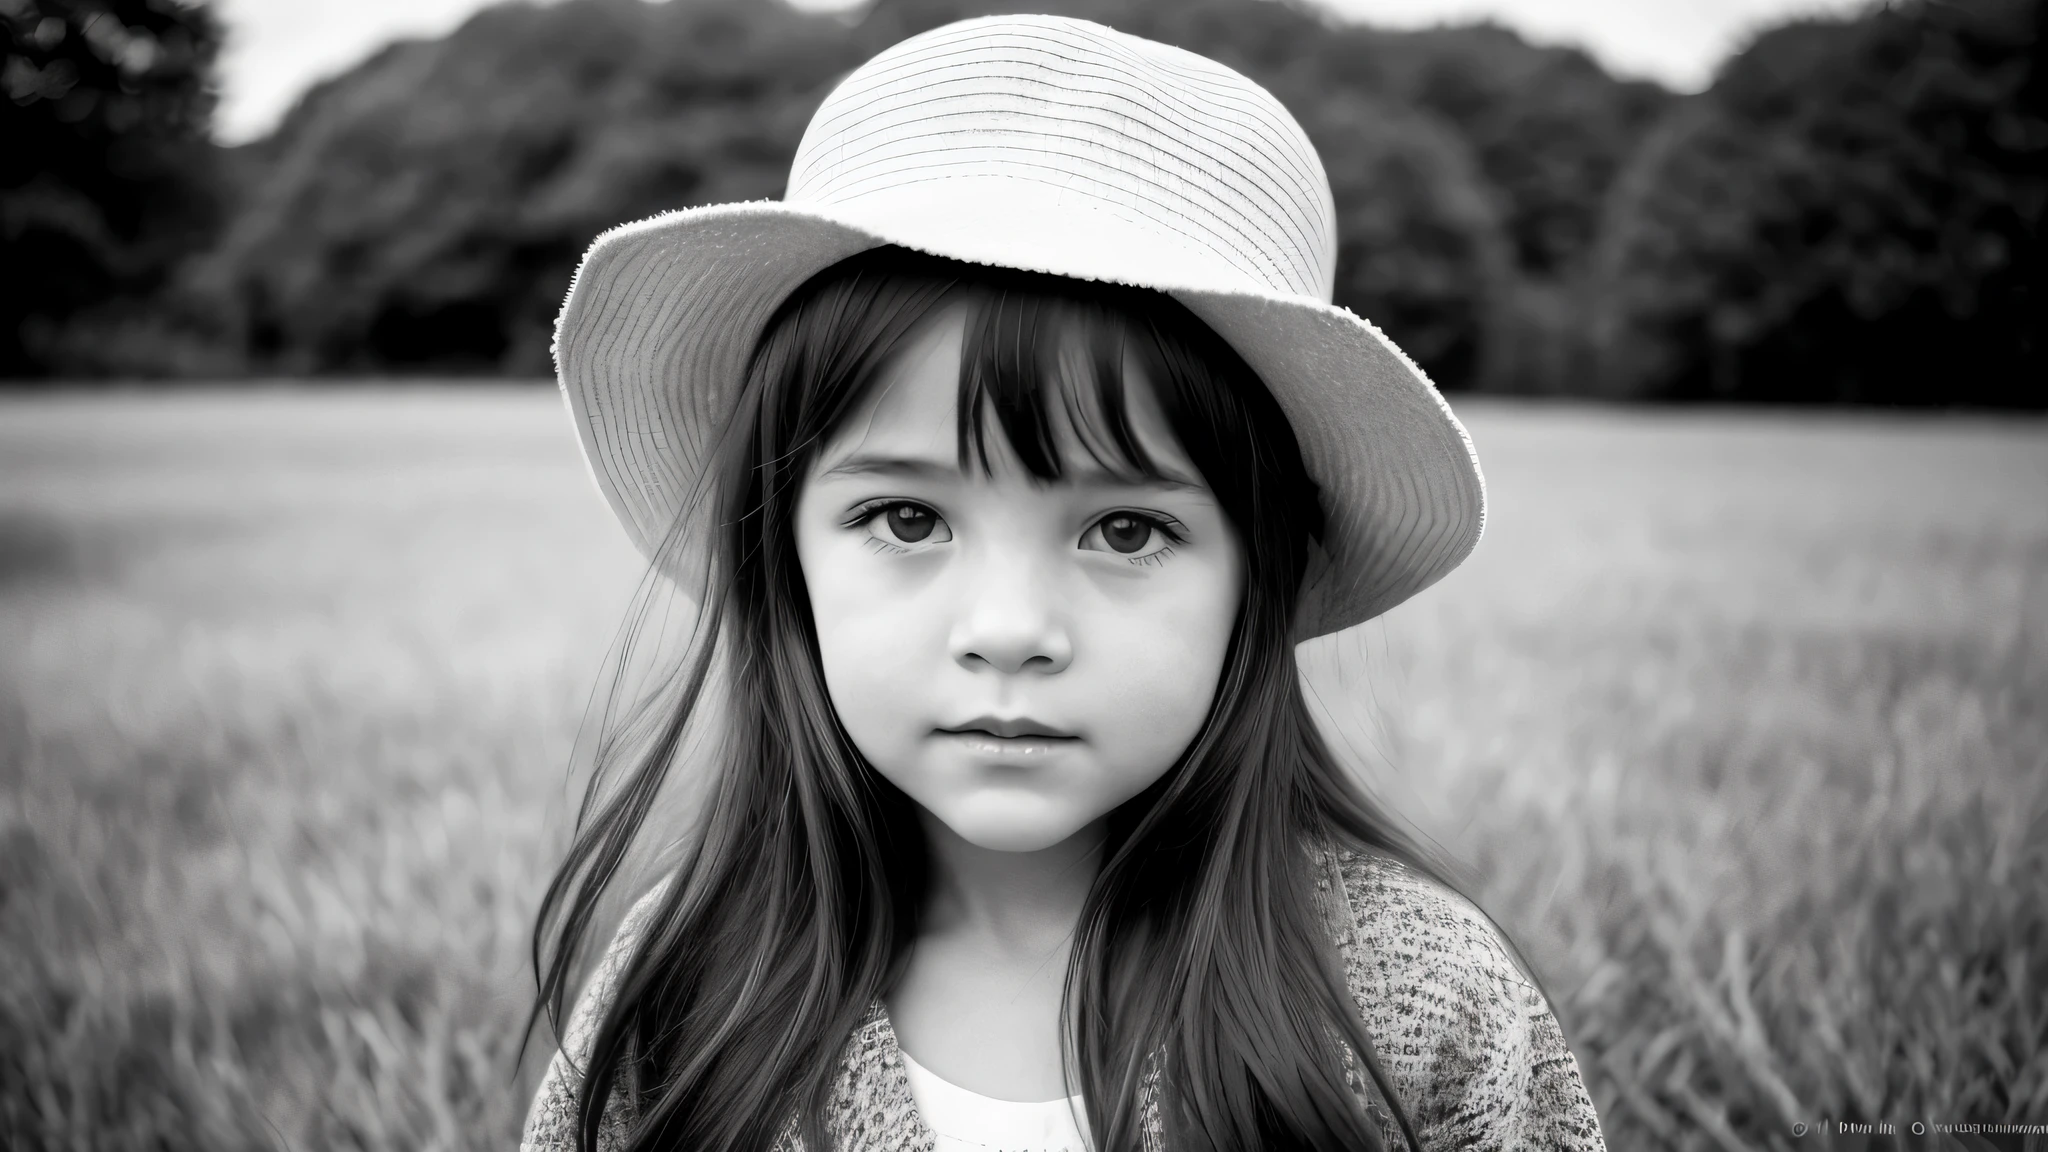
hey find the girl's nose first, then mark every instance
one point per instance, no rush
(1010, 620)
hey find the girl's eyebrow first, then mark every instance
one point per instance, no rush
(925, 468)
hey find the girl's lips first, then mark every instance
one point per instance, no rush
(1008, 747)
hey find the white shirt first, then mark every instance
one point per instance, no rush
(965, 1121)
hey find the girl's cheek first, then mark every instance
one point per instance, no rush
(866, 606)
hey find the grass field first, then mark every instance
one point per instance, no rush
(1742, 721)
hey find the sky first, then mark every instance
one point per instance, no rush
(279, 48)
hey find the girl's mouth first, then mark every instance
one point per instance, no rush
(981, 743)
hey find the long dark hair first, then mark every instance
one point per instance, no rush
(798, 893)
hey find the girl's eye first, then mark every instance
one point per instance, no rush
(1134, 536)
(901, 522)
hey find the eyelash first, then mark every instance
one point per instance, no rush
(874, 508)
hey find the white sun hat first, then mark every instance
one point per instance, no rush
(1052, 145)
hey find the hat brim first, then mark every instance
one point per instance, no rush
(652, 345)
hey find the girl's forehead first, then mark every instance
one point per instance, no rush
(912, 411)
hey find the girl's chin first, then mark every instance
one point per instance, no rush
(1014, 831)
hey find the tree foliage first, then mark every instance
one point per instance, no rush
(1853, 212)
(1548, 127)
(1420, 247)
(425, 211)
(106, 176)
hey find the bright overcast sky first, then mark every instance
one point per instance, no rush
(280, 47)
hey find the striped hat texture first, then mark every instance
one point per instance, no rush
(1052, 145)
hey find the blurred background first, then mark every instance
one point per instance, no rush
(1849, 210)
(1739, 715)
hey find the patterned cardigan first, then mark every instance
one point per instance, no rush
(1468, 1043)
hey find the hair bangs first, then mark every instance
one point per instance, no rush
(1041, 369)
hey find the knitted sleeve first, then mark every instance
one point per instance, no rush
(1468, 1043)
(551, 1121)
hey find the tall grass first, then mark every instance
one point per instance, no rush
(1744, 724)
(1740, 720)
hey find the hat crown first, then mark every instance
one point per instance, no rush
(1188, 152)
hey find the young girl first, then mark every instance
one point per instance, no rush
(1006, 460)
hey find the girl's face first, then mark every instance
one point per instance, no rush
(1018, 657)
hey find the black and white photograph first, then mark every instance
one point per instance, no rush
(1031, 576)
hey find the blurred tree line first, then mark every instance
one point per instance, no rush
(107, 183)
(1851, 212)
